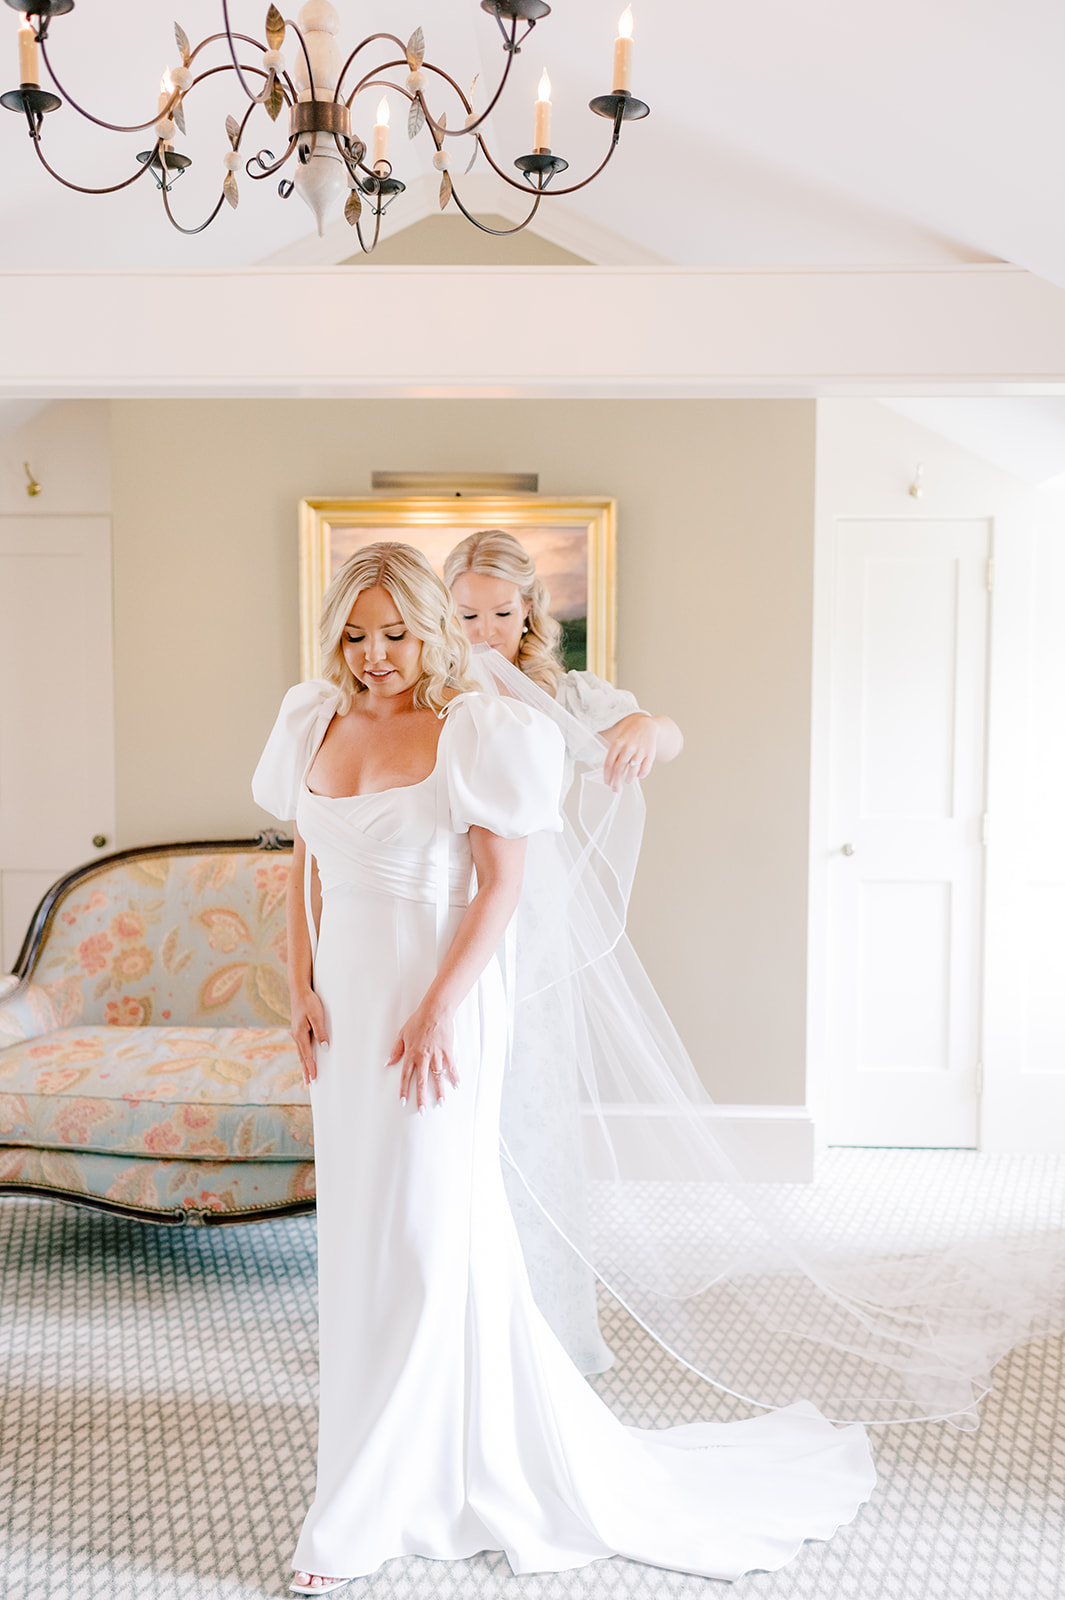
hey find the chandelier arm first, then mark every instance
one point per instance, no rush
(78, 187)
(573, 187)
(212, 38)
(448, 133)
(226, 67)
(368, 249)
(175, 223)
(244, 124)
(306, 55)
(378, 214)
(353, 168)
(371, 38)
(112, 127)
(268, 172)
(245, 38)
(499, 233)
(139, 127)
(231, 39)
(344, 151)
(370, 82)
(523, 188)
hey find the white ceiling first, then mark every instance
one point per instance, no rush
(1025, 437)
(834, 132)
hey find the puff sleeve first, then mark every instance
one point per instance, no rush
(306, 712)
(504, 765)
(593, 701)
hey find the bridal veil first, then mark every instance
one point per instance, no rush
(652, 1192)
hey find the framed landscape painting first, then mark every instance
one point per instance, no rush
(572, 542)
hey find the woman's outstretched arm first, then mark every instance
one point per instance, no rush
(308, 1015)
(423, 1049)
(636, 743)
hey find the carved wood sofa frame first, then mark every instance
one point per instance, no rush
(26, 1028)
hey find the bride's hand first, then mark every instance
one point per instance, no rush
(632, 751)
(308, 1029)
(424, 1051)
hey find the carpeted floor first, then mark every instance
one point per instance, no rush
(157, 1423)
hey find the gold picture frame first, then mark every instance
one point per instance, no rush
(572, 535)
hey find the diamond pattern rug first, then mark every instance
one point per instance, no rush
(157, 1422)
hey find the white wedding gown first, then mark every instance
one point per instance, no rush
(451, 1419)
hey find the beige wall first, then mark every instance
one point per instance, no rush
(714, 625)
(66, 445)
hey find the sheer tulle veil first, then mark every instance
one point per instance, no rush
(730, 1275)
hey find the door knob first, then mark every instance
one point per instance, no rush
(99, 840)
(848, 849)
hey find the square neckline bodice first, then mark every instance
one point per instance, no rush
(393, 788)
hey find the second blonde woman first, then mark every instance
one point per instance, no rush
(502, 602)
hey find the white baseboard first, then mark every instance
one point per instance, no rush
(772, 1144)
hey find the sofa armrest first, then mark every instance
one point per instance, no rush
(26, 1011)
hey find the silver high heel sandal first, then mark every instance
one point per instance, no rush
(319, 1588)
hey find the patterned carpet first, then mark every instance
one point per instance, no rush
(157, 1416)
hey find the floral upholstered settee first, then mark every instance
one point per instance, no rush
(145, 1061)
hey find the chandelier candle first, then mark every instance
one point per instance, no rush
(542, 124)
(380, 135)
(27, 54)
(623, 53)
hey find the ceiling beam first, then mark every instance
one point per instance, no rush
(522, 332)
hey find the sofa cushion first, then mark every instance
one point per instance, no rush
(207, 1094)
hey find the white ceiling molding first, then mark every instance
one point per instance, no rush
(484, 194)
(590, 331)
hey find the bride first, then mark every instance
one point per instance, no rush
(451, 1419)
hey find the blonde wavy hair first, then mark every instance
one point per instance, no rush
(427, 610)
(496, 554)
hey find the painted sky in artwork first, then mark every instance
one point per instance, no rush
(561, 556)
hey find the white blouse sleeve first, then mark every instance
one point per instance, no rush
(504, 766)
(593, 701)
(306, 712)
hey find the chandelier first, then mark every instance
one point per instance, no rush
(325, 160)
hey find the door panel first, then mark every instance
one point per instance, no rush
(904, 955)
(909, 652)
(56, 705)
(909, 665)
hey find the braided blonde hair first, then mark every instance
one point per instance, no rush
(426, 608)
(496, 554)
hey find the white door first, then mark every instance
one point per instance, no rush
(1024, 1039)
(57, 786)
(908, 721)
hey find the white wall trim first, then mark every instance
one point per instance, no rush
(513, 332)
(774, 1144)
